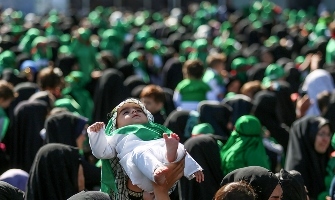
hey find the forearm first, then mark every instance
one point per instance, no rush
(161, 193)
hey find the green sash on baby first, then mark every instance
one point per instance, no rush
(146, 132)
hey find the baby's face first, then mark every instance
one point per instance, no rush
(130, 113)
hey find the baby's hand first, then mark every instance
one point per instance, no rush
(96, 127)
(199, 176)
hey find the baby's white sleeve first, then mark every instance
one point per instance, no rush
(101, 144)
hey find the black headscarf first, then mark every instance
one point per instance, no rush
(54, 174)
(64, 127)
(29, 117)
(205, 151)
(240, 104)
(216, 114)
(172, 73)
(302, 157)
(262, 180)
(264, 109)
(109, 92)
(292, 184)
(90, 195)
(9, 192)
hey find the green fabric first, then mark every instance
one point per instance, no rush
(85, 52)
(7, 60)
(40, 53)
(210, 75)
(203, 128)
(26, 42)
(112, 41)
(192, 90)
(137, 59)
(5, 123)
(76, 90)
(330, 169)
(330, 51)
(201, 52)
(146, 132)
(244, 146)
(68, 103)
(274, 72)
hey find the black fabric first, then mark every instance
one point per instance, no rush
(216, 114)
(240, 104)
(285, 107)
(330, 113)
(172, 73)
(293, 76)
(109, 92)
(9, 192)
(256, 72)
(44, 96)
(168, 104)
(64, 128)
(133, 81)
(24, 91)
(125, 67)
(66, 63)
(204, 149)
(264, 109)
(176, 122)
(90, 195)
(54, 174)
(292, 184)
(262, 180)
(302, 157)
(29, 117)
(10, 76)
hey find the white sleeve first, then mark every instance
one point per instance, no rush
(102, 145)
(215, 90)
(176, 98)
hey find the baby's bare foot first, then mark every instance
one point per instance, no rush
(159, 175)
(171, 146)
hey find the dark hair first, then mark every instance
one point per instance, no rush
(153, 91)
(323, 99)
(193, 69)
(50, 77)
(7, 90)
(216, 58)
(236, 190)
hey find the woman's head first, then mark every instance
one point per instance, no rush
(54, 173)
(248, 125)
(130, 111)
(236, 190)
(322, 134)
(264, 182)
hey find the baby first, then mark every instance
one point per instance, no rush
(143, 147)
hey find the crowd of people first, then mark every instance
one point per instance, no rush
(205, 103)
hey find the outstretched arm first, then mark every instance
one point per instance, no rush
(101, 145)
(176, 171)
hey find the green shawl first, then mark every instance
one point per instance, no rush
(244, 146)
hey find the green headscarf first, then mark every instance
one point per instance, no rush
(7, 60)
(26, 42)
(75, 88)
(244, 146)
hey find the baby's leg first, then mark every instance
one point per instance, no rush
(171, 146)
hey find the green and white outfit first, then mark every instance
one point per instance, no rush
(216, 83)
(140, 148)
(189, 92)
